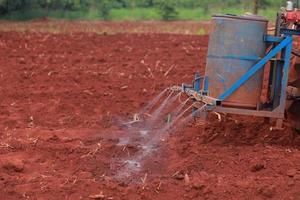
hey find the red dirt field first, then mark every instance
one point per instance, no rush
(64, 95)
(64, 26)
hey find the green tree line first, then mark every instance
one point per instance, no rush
(166, 8)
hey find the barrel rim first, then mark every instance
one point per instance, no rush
(242, 17)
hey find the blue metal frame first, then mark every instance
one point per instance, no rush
(287, 31)
(285, 73)
(197, 82)
(283, 44)
(280, 45)
(197, 88)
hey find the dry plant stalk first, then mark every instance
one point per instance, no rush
(144, 179)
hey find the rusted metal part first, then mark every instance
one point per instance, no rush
(202, 98)
(294, 74)
(293, 104)
(239, 105)
(265, 91)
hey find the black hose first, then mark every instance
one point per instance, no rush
(296, 53)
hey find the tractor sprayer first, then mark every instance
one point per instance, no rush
(251, 70)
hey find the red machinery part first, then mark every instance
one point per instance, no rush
(292, 16)
(293, 106)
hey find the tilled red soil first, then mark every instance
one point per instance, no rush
(66, 26)
(63, 97)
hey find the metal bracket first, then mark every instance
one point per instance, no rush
(202, 98)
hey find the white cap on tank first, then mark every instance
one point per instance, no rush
(289, 5)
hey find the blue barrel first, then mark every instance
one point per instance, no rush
(236, 44)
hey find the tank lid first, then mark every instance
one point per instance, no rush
(250, 17)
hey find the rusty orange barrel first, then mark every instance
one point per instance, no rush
(236, 44)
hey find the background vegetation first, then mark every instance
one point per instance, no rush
(133, 9)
